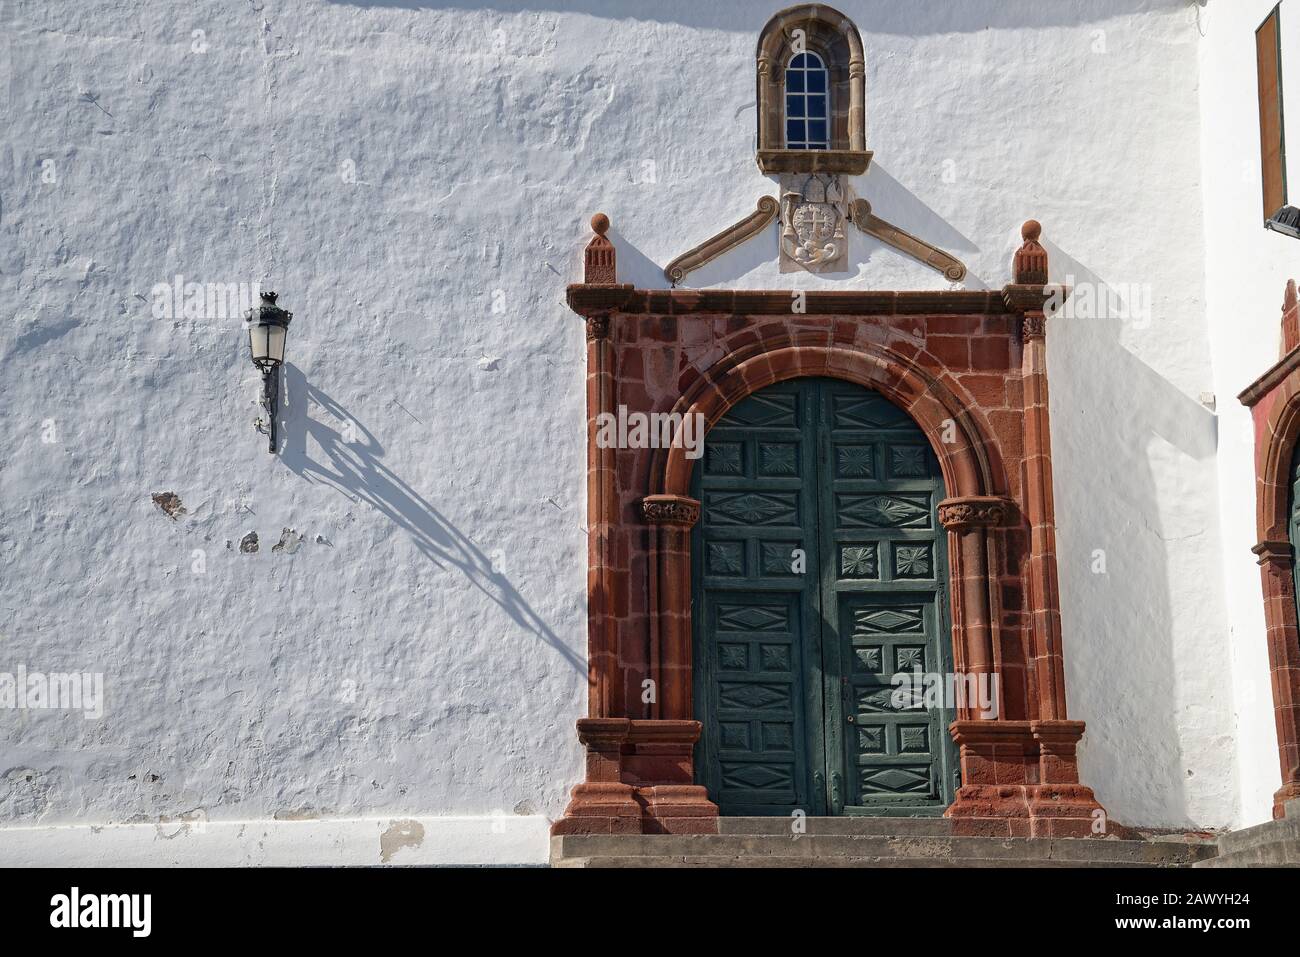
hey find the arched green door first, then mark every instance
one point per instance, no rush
(819, 572)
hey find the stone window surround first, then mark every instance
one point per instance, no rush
(833, 37)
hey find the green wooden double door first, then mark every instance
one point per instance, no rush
(819, 574)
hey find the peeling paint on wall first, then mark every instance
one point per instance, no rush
(288, 543)
(400, 834)
(248, 544)
(170, 503)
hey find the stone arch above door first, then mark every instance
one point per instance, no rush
(947, 413)
(970, 369)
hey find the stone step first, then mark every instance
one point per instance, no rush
(833, 862)
(1260, 835)
(834, 848)
(1279, 854)
(783, 826)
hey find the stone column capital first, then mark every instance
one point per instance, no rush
(670, 510)
(973, 511)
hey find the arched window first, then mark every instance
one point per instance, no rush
(807, 103)
(811, 93)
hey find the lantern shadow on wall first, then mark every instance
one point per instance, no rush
(353, 466)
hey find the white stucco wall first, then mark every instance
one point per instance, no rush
(414, 179)
(1246, 272)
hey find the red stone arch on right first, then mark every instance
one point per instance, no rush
(1274, 401)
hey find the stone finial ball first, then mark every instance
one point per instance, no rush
(600, 223)
(1031, 230)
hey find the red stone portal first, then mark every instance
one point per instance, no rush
(970, 368)
(1274, 401)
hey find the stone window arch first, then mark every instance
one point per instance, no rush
(831, 38)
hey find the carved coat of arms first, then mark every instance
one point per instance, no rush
(814, 211)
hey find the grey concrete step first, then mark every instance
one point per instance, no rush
(837, 849)
(1260, 835)
(1279, 854)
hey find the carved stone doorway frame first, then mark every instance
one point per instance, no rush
(970, 369)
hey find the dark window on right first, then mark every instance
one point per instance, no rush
(1268, 57)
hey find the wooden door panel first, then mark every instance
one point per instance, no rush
(756, 617)
(884, 605)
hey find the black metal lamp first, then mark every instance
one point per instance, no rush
(268, 327)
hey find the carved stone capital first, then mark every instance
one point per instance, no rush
(973, 511)
(598, 326)
(1275, 553)
(670, 510)
(1034, 326)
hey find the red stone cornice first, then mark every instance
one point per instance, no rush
(1271, 379)
(594, 299)
(588, 299)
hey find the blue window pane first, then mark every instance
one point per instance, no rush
(817, 131)
(794, 131)
(799, 61)
(794, 105)
(816, 107)
(816, 81)
(794, 81)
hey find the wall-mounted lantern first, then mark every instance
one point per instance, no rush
(268, 326)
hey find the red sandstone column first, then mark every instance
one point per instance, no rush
(1276, 561)
(967, 521)
(602, 503)
(671, 518)
(1044, 595)
(661, 763)
(997, 755)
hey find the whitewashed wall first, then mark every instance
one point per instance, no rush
(414, 178)
(1246, 272)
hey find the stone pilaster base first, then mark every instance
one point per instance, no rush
(1287, 793)
(678, 809)
(600, 808)
(639, 780)
(1022, 780)
(1030, 810)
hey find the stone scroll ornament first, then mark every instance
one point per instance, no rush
(814, 210)
(932, 256)
(729, 238)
